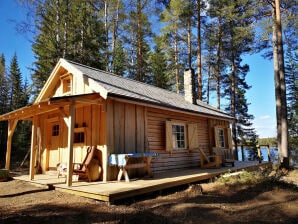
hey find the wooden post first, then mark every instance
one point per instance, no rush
(11, 127)
(268, 152)
(259, 154)
(33, 148)
(71, 122)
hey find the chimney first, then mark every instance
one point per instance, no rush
(189, 87)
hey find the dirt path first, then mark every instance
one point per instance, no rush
(264, 202)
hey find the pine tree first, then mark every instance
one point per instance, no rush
(119, 59)
(158, 66)
(137, 39)
(3, 108)
(18, 98)
(16, 91)
(233, 37)
(172, 35)
(68, 29)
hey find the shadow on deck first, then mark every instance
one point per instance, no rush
(112, 191)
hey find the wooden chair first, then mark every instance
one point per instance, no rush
(209, 161)
(226, 155)
(83, 169)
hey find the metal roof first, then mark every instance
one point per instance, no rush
(127, 88)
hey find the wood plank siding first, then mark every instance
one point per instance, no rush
(89, 119)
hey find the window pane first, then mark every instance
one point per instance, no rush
(178, 136)
(55, 130)
(221, 138)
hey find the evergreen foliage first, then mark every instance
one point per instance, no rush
(14, 95)
(117, 36)
(67, 29)
(3, 107)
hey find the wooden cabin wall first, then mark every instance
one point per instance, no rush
(125, 130)
(125, 127)
(156, 119)
(90, 118)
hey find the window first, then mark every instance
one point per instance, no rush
(66, 85)
(79, 137)
(55, 130)
(221, 137)
(66, 82)
(178, 136)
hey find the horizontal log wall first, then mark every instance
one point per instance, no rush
(156, 119)
(167, 161)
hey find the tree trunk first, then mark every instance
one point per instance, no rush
(208, 84)
(200, 87)
(139, 43)
(65, 36)
(114, 37)
(218, 62)
(233, 89)
(276, 83)
(176, 61)
(283, 109)
(106, 34)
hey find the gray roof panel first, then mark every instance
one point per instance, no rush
(128, 88)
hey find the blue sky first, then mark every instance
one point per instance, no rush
(260, 96)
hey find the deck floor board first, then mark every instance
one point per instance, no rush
(112, 191)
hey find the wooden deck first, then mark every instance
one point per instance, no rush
(112, 191)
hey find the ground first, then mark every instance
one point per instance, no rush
(239, 199)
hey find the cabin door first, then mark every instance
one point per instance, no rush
(53, 144)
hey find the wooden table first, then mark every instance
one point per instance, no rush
(131, 161)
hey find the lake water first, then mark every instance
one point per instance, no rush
(251, 155)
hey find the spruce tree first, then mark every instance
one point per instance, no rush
(67, 29)
(158, 66)
(3, 109)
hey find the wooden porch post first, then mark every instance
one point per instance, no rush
(33, 148)
(11, 127)
(71, 122)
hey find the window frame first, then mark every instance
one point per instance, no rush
(80, 136)
(227, 137)
(175, 136)
(221, 137)
(67, 84)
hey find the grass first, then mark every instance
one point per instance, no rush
(244, 178)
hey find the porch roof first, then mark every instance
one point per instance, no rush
(51, 104)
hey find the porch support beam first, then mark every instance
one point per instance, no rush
(70, 123)
(11, 127)
(34, 146)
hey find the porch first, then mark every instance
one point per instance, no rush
(112, 191)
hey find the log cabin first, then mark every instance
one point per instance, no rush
(80, 106)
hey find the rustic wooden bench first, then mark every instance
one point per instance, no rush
(131, 161)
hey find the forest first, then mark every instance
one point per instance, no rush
(154, 42)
